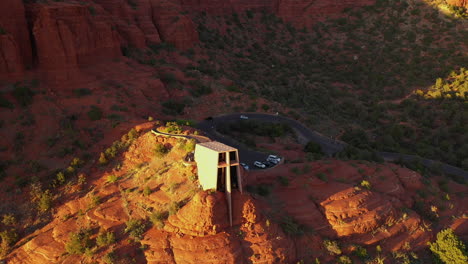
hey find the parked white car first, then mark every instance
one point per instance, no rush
(273, 159)
(259, 164)
(245, 166)
(244, 117)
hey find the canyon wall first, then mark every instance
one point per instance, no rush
(15, 45)
(57, 38)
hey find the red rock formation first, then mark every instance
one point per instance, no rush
(173, 25)
(10, 56)
(463, 3)
(15, 46)
(68, 35)
(134, 23)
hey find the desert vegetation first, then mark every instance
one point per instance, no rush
(347, 74)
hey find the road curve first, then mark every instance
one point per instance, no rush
(329, 146)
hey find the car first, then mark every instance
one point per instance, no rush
(245, 166)
(274, 159)
(259, 164)
(269, 163)
(244, 117)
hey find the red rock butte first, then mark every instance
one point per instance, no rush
(57, 38)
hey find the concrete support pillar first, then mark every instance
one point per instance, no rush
(239, 179)
(228, 186)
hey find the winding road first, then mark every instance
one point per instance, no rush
(329, 146)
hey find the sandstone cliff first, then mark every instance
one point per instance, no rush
(15, 45)
(69, 35)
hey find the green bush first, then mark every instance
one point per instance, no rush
(95, 113)
(135, 228)
(361, 252)
(157, 218)
(79, 242)
(82, 92)
(45, 201)
(105, 239)
(366, 184)
(146, 191)
(5, 103)
(174, 207)
(172, 107)
(2, 31)
(449, 248)
(23, 94)
(344, 260)
(290, 226)
(313, 147)
(160, 150)
(284, 181)
(332, 247)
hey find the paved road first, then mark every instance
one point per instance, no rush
(329, 146)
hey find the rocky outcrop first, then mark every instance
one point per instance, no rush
(69, 35)
(11, 61)
(173, 24)
(463, 3)
(356, 212)
(15, 46)
(200, 232)
(134, 22)
(210, 212)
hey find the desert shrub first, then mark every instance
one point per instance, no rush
(157, 218)
(109, 258)
(356, 137)
(171, 107)
(79, 241)
(332, 247)
(173, 186)
(102, 159)
(9, 220)
(82, 92)
(168, 78)
(190, 145)
(449, 248)
(313, 147)
(8, 239)
(95, 113)
(361, 252)
(135, 228)
(290, 226)
(160, 150)
(92, 10)
(157, 47)
(94, 200)
(174, 207)
(23, 94)
(112, 178)
(173, 128)
(344, 260)
(105, 239)
(284, 181)
(45, 200)
(263, 190)
(5, 103)
(146, 191)
(322, 176)
(366, 184)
